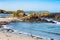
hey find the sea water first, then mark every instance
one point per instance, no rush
(4, 15)
(49, 30)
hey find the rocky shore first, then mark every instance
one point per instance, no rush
(8, 34)
(21, 16)
(4, 21)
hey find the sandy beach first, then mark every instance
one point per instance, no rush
(9, 36)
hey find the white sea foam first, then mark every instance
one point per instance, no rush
(5, 26)
(23, 32)
(15, 31)
(49, 19)
(56, 22)
(53, 21)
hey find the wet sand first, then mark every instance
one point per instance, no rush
(9, 36)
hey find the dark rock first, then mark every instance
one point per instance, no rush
(4, 23)
(52, 39)
(1, 26)
(10, 30)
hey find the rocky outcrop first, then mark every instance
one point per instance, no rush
(2, 11)
(4, 23)
(32, 17)
(57, 16)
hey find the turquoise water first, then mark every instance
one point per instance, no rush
(39, 29)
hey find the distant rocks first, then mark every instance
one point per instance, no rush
(3, 23)
(21, 16)
(5, 12)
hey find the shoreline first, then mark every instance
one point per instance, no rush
(27, 38)
(9, 36)
(12, 36)
(22, 35)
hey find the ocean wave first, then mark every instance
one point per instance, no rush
(5, 28)
(51, 20)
